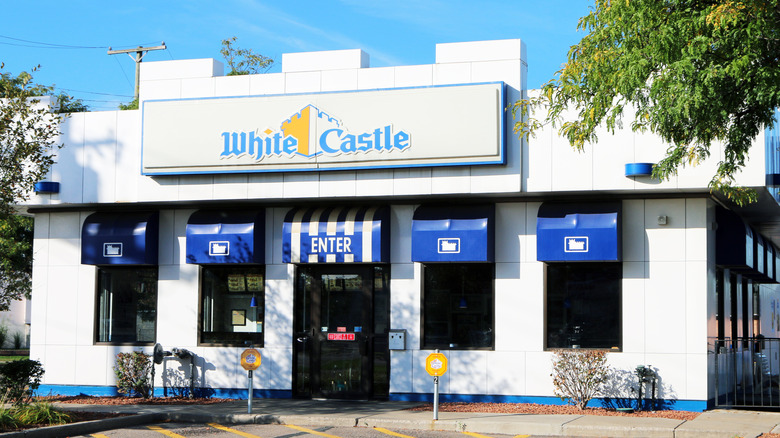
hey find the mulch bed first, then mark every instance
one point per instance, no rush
(531, 408)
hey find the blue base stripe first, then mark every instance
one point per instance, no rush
(102, 391)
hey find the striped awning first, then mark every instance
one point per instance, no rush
(337, 235)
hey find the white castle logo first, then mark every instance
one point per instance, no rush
(576, 244)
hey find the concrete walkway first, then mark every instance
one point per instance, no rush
(393, 416)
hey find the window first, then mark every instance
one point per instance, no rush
(126, 305)
(584, 305)
(232, 305)
(458, 306)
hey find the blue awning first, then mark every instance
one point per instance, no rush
(226, 237)
(120, 239)
(587, 232)
(463, 233)
(336, 235)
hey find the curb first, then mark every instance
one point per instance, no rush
(86, 427)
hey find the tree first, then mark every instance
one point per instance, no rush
(28, 132)
(243, 61)
(692, 71)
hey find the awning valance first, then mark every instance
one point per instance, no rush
(127, 238)
(226, 237)
(337, 235)
(573, 232)
(463, 233)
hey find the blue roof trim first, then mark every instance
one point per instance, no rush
(587, 232)
(463, 233)
(337, 235)
(226, 237)
(120, 239)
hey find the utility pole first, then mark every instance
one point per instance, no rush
(140, 52)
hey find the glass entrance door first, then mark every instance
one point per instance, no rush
(340, 340)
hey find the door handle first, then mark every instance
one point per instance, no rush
(302, 339)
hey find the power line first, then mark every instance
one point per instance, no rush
(94, 92)
(57, 46)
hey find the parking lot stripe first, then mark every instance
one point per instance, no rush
(303, 429)
(99, 435)
(390, 432)
(475, 435)
(159, 429)
(227, 429)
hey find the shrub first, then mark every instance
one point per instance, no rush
(19, 379)
(39, 413)
(18, 340)
(3, 334)
(133, 373)
(578, 375)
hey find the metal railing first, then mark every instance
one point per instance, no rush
(747, 372)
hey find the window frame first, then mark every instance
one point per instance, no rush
(618, 266)
(97, 316)
(492, 308)
(259, 341)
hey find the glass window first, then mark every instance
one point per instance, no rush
(583, 305)
(126, 305)
(458, 306)
(233, 305)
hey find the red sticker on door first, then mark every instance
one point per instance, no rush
(341, 336)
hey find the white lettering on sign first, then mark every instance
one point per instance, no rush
(436, 364)
(112, 249)
(449, 245)
(576, 244)
(219, 248)
(250, 358)
(331, 244)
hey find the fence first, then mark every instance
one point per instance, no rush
(747, 372)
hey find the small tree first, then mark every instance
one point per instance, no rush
(243, 61)
(20, 379)
(133, 372)
(578, 375)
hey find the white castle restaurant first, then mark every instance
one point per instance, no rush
(348, 221)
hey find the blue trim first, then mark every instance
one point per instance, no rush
(129, 238)
(681, 405)
(586, 232)
(639, 169)
(222, 237)
(462, 233)
(501, 160)
(44, 187)
(100, 391)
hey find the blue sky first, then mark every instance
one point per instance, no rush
(70, 39)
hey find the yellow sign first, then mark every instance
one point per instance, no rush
(250, 359)
(436, 364)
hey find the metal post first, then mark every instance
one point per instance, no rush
(435, 397)
(249, 404)
(436, 394)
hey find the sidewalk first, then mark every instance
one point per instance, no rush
(393, 416)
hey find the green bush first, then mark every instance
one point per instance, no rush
(578, 375)
(133, 373)
(32, 414)
(3, 334)
(18, 340)
(19, 379)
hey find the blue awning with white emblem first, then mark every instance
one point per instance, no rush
(128, 238)
(586, 232)
(337, 235)
(215, 237)
(463, 233)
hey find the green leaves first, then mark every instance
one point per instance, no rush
(243, 61)
(694, 72)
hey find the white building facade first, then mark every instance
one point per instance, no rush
(346, 221)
